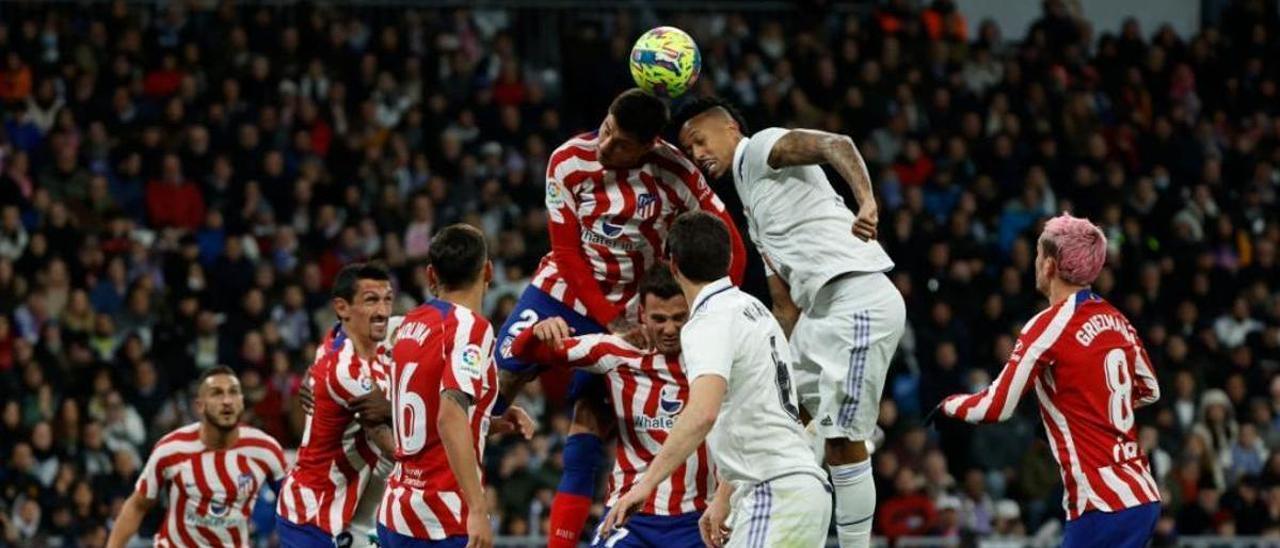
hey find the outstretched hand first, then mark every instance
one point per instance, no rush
(553, 331)
(514, 420)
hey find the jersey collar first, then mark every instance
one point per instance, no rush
(710, 290)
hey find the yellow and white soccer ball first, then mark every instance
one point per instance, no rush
(665, 62)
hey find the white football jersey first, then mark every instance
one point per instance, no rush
(801, 226)
(757, 435)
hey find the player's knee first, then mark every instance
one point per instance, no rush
(589, 419)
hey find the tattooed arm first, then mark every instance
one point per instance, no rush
(802, 147)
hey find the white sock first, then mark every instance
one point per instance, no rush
(855, 503)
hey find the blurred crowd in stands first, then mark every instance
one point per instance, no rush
(178, 187)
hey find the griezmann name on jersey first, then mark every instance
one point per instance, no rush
(1090, 371)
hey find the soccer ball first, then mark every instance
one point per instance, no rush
(665, 62)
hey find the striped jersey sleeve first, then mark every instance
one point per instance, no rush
(468, 352)
(1031, 353)
(596, 353)
(348, 378)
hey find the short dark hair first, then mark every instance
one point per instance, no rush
(698, 244)
(344, 285)
(659, 282)
(458, 254)
(639, 114)
(700, 105)
(213, 372)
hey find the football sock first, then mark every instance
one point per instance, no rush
(572, 504)
(855, 503)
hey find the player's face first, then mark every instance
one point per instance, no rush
(663, 319)
(220, 402)
(617, 149)
(709, 140)
(368, 312)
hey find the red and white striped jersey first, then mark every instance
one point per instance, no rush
(440, 346)
(608, 225)
(647, 390)
(1090, 372)
(336, 458)
(211, 492)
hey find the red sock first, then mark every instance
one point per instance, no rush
(569, 513)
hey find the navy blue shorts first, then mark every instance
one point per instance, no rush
(534, 306)
(1131, 528)
(391, 539)
(650, 531)
(293, 535)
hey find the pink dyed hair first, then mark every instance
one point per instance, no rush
(1078, 245)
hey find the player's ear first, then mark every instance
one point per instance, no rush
(433, 281)
(341, 307)
(488, 273)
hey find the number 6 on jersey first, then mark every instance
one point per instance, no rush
(410, 412)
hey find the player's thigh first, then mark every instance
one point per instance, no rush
(791, 511)
(531, 308)
(807, 371)
(853, 345)
(677, 532)
(591, 413)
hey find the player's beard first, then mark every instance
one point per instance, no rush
(223, 423)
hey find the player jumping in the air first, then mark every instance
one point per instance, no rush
(213, 470)
(742, 402)
(826, 277)
(338, 470)
(1090, 371)
(443, 383)
(648, 389)
(611, 195)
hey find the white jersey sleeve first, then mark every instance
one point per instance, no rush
(754, 162)
(712, 354)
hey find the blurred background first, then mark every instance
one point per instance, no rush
(180, 181)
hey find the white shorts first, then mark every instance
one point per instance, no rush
(789, 511)
(843, 346)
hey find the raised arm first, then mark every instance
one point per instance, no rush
(997, 402)
(551, 341)
(802, 147)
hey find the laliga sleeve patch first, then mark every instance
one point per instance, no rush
(555, 193)
(470, 359)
